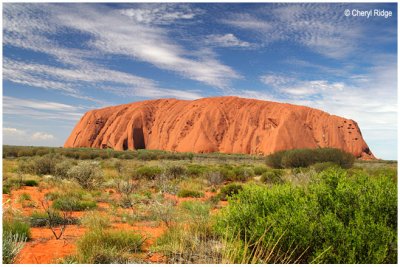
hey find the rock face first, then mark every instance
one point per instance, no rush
(223, 124)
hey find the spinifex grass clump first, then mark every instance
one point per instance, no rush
(306, 157)
(108, 246)
(336, 218)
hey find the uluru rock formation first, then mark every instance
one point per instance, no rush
(218, 124)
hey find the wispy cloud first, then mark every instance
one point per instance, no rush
(225, 40)
(43, 110)
(143, 43)
(322, 28)
(29, 26)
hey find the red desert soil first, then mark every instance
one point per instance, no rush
(44, 248)
(179, 200)
(35, 194)
(219, 124)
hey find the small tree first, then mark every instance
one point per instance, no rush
(52, 219)
(125, 188)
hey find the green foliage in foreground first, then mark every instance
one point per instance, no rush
(337, 218)
(12, 245)
(17, 227)
(306, 157)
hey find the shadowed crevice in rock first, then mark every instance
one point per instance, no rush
(138, 138)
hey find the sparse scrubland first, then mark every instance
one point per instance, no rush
(300, 206)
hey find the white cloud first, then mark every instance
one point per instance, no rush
(143, 43)
(28, 26)
(161, 14)
(42, 136)
(225, 40)
(13, 132)
(17, 136)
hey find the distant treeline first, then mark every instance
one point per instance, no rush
(93, 153)
(295, 158)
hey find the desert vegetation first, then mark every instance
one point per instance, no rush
(104, 206)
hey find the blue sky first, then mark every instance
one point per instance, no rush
(60, 60)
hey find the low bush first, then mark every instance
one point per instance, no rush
(88, 174)
(242, 173)
(196, 170)
(148, 172)
(6, 188)
(108, 246)
(273, 176)
(17, 227)
(336, 218)
(258, 170)
(306, 157)
(95, 221)
(30, 183)
(67, 203)
(190, 193)
(191, 242)
(322, 166)
(230, 190)
(214, 177)
(175, 171)
(41, 219)
(62, 168)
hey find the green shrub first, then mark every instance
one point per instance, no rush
(41, 219)
(322, 166)
(176, 171)
(62, 168)
(95, 220)
(66, 203)
(230, 190)
(88, 174)
(17, 227)
(45, 164)
(335, 219)
(108, 246)
(12, 245)
(6, 188)
(273, 176)
(30, 183)
(148, 172)
(258, 170)
(24, 197)
(190, 240)
(196, 170)
(214, 177)
(196, 211)
(243, 173)
(306, 157)
(190, 193)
